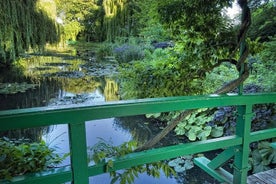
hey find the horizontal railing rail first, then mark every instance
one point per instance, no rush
(76, 116)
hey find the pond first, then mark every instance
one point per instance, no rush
(56, 80)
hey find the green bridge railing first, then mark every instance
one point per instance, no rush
(236, 146)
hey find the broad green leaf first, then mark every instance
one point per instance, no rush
(217, 131)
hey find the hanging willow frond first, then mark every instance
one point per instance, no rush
(23, 26)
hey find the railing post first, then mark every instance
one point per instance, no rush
(78, 148)
(243, 128)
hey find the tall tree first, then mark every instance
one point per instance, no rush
(202, 31)
(72, 13)
(263, 22)
(23, 25)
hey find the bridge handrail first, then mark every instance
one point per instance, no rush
(76, 115)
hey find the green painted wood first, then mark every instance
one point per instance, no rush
(78, 150)
(262, 134)
(243, 127)
(45, 116)
(273, 145)
(220, 174)
(222, 158)
(166, 153)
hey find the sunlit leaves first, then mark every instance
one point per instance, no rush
(193, 15)
(263, 66)
(24, 26)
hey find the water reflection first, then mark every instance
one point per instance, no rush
(56, 78)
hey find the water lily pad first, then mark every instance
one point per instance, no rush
(176, 162)
(13, 88)
(217, 131)
(179, 169)
(191, 136)
(188, 164)
(156, 115)
(172, 163)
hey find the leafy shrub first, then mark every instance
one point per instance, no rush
(127, 53)
(169, 72)
(155, 32)
(264, 67)
(161, 74)
(219, 76)
(262, 157)
(104, 50)
(20, 157)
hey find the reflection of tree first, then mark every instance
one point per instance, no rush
(31, 134)
(48, 65)
(111, 90)
(143, 130)
(80, 85)
(136, 126)
(46, 89)
(40, 96)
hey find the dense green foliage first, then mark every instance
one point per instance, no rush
(200, 41)
(21, 157)
(24, 25)
(97, 20)
(170, 72)
(262, 157)
(263, 22)
(264, 67)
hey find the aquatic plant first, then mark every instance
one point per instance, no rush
(194, 126)
(127, 53)
(19, 157)
(181, 164)
(262, 157)
(12, 88)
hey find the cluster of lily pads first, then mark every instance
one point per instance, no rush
(13, 88)
(181, 164)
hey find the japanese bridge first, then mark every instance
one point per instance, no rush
(235, 147)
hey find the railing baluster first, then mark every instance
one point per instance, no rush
(242, 152)
(78, 149)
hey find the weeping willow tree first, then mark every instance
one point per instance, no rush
(97, 20)
(119, 18)
(24, 25)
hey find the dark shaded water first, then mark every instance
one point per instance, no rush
(60, 81)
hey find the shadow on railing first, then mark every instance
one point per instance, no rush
(236, 146)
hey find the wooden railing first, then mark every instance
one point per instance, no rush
(236, 146)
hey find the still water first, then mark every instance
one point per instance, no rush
(62, 81)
